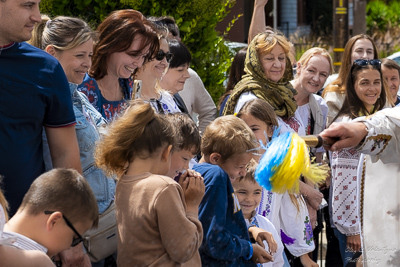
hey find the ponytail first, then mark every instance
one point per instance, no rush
(37, 33)
(139, 132)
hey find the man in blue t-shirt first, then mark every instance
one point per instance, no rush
(34, 93)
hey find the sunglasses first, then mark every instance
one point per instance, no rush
(161, 55)
(363, 62)
(156, 104)
(76, 240)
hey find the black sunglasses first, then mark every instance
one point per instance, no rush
(161, 54)
(76, 240)
(156, 104)
(363, 62)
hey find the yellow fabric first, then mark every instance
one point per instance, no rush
(296, 163)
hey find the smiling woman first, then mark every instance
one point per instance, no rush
(126, 40)
(313, 68)
(360, 46)
(70, 40)
(178, 73)
(151, 74)
(365, 95)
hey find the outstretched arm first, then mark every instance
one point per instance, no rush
(257, 23)
(345, 134)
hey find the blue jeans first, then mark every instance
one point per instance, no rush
(345, 253)
(286, 264)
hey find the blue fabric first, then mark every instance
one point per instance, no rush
(88, 119)
(285, 259)
(108, 109)
(345, 253)
(223, 103)
(34, 93)
(225, 238)
(397, 101)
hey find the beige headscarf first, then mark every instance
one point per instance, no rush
(278, 94)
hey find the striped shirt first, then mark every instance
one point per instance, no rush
(23, 242)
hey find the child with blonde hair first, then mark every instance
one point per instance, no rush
(227, 147)
(249, 194)
(287, 212)
(157, 218)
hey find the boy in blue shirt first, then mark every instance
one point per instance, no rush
(227, 148)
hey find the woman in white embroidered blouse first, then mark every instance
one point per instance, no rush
(365, 95)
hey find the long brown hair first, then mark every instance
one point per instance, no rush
(346, 64)
(138, 133)
(116, 34)
(235, 73)
(353, 105)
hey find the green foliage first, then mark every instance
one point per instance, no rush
(383, 24)
(378, 16)
(382, 15)
(196, 19)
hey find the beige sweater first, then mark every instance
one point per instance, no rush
(153, 225)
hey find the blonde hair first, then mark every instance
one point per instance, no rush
(63, 33)
(305, 58)
(228, 136)
(265, 42)
(139, 132)
(250, 176)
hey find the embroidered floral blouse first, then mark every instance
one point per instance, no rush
(344, 200)
(108, 109)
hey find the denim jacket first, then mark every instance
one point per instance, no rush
(88, 123)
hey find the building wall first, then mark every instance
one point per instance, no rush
(240, 29)
(287, 20)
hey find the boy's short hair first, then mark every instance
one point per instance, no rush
(187, 135)
(250, 172)
(228, 136)
(63, 190)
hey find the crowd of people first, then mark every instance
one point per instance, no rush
(104, 163)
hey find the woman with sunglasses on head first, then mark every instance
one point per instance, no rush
(365, 94)
(151, 74)
(126, 40)
(360, 46)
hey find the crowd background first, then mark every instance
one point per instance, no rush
(140, 144)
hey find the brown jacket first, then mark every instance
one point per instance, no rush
(153, 225)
